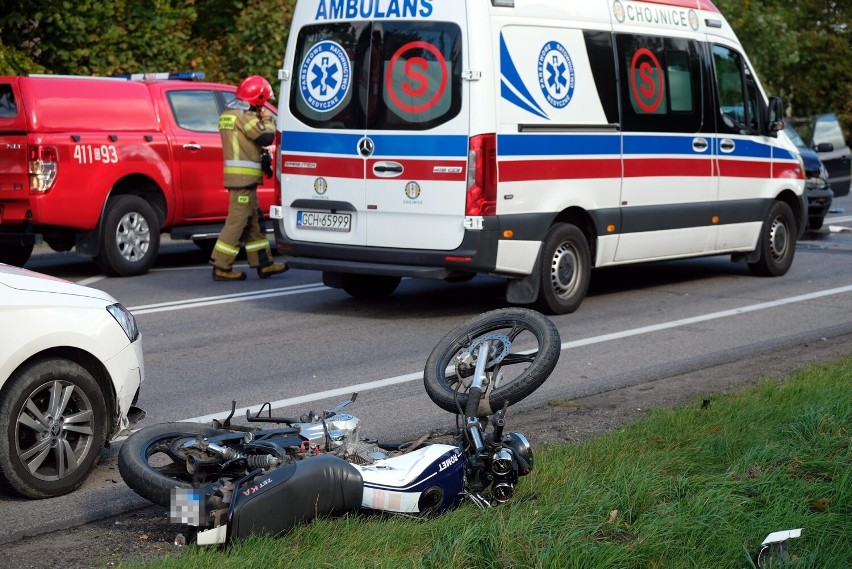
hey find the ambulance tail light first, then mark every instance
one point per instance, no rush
(276, 167)
(42, 163)
(482, 176)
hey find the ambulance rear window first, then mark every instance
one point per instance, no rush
(379, 76)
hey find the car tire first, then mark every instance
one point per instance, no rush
(54, 428)
(777, 244)
(566, 267)
(369, 286)
(130, 237)
(16, 255)
(815, 223)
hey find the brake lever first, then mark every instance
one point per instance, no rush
(341, 407)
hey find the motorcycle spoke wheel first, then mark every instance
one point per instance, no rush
(524, 347)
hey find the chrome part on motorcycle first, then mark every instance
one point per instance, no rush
(522, 450)
(501, 462)
(496, 346)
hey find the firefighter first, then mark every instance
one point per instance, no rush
(246, 127)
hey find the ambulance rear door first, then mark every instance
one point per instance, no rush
(416, 142)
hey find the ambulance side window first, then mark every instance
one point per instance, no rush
(599, 48)
(661, 84)
(736, 89)
(195, 110)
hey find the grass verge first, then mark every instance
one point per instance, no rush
(699, 486)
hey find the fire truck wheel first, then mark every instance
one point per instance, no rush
(130, 239)
(17, 255)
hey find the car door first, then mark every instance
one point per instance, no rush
(197, 149)
(198, 153)
(828, 140)
(668, 190)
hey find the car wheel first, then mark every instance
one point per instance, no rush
(16, 255)
(369, 286)
(777, 244)
(815, 223)
(54, 427)
(130, 239)
(566, 267)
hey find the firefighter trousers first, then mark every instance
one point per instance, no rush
(242, 227)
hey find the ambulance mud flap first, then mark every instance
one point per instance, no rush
(525, 290)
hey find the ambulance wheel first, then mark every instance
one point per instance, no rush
(566, 266)
(369, 286)
(130, 239)
(16, 255)
(777, 244)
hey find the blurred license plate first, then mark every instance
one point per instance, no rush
(324, 221)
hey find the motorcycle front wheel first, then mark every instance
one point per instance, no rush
(151, 463)
(524, 347)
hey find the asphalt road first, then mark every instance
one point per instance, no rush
(290, 341)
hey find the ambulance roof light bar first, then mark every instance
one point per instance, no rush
(179, 75)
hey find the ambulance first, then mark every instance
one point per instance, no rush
(534, 140)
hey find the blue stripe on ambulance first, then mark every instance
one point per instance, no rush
(385, 144)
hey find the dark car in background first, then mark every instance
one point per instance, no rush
(817, 187)
(829, 141)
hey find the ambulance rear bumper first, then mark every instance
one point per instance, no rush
(476, 254)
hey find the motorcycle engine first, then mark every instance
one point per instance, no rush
(341, 431)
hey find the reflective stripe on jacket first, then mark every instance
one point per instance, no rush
(240, 132)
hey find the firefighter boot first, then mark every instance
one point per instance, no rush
(271, 269)
(228, 275)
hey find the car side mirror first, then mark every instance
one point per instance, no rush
(824, 147)
(776, 116)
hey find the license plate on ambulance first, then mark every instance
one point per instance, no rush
(324, 221)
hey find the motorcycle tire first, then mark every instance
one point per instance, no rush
(521, 371)
(152, 482)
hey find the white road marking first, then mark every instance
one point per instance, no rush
(224, 299)
(359, 387)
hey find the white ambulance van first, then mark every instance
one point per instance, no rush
(530, 139)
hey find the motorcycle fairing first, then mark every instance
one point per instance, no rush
(430, 478)
(276, 501)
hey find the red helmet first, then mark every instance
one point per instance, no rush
(254, 90)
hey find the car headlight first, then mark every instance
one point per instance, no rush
(126, 320)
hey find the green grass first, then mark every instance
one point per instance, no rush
(692, 487)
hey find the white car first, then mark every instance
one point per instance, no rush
(70, 371)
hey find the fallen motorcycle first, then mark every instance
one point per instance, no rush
(235, 480)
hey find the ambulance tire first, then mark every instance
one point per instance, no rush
(369, 286)
(130, 237)
(16, 255)
(777, 244)
(566, 267)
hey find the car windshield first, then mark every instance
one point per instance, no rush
(793, 135)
